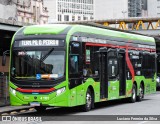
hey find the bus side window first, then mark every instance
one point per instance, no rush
(73, 64)
(112, 67)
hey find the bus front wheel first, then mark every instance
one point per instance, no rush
(88, 101)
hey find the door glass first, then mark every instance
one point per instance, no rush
(73, 64)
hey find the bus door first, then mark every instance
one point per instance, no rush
(75, 73)
(113, 78)
(122, 72)
(103, 73)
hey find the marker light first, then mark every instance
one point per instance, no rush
(60, 91)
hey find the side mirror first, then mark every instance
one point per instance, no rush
(4, 60)
(4, 57)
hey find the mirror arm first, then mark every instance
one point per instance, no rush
(4, 57)
(6, 52)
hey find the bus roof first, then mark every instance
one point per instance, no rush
(71, 29)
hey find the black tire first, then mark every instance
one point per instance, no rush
(88, 101)
(132, 99)
(40, 108)
(141, 93)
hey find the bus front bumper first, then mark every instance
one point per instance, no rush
(49, 99)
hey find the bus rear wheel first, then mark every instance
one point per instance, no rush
(141, 93)
(88, 101)
(134, 93)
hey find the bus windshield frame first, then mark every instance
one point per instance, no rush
(43, 62)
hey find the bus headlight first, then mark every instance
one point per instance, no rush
(158, 81)
(60, 91)
(13, 91)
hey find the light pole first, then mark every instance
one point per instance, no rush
(124, 12)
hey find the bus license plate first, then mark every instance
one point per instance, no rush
(34, 104)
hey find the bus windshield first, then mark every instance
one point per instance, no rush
(46, 64)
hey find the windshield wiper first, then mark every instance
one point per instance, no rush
(46, 55)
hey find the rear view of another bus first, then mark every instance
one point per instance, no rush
(158, 62)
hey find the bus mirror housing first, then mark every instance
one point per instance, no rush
(4, 60)
(4, 57)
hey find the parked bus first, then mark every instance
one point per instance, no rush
(71, 65)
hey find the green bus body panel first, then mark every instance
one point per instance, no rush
(110, 33)
(58, 28)
(44, 29)
(76, 96)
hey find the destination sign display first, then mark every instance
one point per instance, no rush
(40, 42)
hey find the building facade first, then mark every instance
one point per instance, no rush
(7, 9)
(134, 8)
(70, 10)
(27, 11)
(114, 9)
(153, 8)
(110, 9)
(32, 11)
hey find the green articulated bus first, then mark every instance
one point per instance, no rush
(71, 65)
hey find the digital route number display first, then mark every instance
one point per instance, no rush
(41, 42)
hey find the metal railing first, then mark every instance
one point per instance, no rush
(4, 91)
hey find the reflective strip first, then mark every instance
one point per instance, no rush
(35, 90)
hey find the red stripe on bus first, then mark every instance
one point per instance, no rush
(122, 47)
(129, 64)
(35, 90)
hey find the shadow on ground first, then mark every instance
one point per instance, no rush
(63, 111)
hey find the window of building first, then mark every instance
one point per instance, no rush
(38, 14)
(27, 20)
(73, 18)
(79, 17)
(66, 17)
(22, 19)
(91, 18)
(59, 18)
(34, 14)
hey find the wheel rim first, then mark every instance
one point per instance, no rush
(134, 94)
(88, 100)
(141, 92)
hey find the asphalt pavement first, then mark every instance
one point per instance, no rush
(116, 109)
